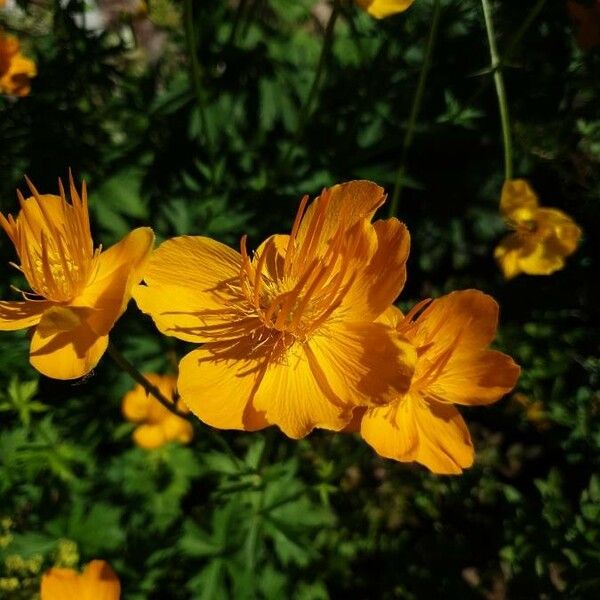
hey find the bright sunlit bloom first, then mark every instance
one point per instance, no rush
(384, 8)
(454, 366)
(77, 291)
(97, 582)
(542, 237)
(157, 425)
(289, 334)
(16, 71)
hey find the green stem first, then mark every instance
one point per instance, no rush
(416, 107)
(151, 389)
(171, 406)
(500, 90)
(195, 72)
(510, 49)
(306, 110)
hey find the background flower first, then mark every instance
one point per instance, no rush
(97, 582)
(384, 8)
(157, 425)
(542, 237)
(16, 71)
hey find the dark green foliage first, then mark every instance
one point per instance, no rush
(257, 515)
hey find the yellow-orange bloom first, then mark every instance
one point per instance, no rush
(384, 8)
(289, 334)
(97, 582)
(16, 71)
(77, 292)
(542, 237)
(454, 366)
(158, 425)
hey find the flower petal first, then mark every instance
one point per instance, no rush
(508, 255)
(217, 383)
(192, 290)
(293, 397)
(517, 194)
(361, 363)
(392, 317)
(20, 315)
(381, 280)
(384, 8)
(17, 79)
(136, 404)
(149, 436)
(66, 354)
(97, 582)
(466, 318)
(177, 429)
(235, 386)
(100, 582)
(480, 377)
(347, 203)
(119, 268)
(566, 234)
(60, 584)
(432, 434)
(560, 238)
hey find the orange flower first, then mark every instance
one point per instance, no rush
(586, 19)
(289, 335)
(16, 71)
(97, 582)
(454, 366)
(542, 237)
(158, 425)
(78, 292)
(384, 8)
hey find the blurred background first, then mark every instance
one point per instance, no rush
(193, 118)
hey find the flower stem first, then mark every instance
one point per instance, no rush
(195, 73)
(500, 89)
(510, 48)
(416, 106)
(151, 389)
(306, 110)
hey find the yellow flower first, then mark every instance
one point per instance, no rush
(542, 237)
(97, 582)
(16, 71)
(158, 425)
(454, 366)
(289, 335)
(384, 8)
(78, 292)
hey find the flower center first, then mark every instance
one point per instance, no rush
(54, 244)
(294, 289)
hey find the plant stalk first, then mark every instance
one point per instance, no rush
(416, 107)
(151, 389)
(500, 90)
